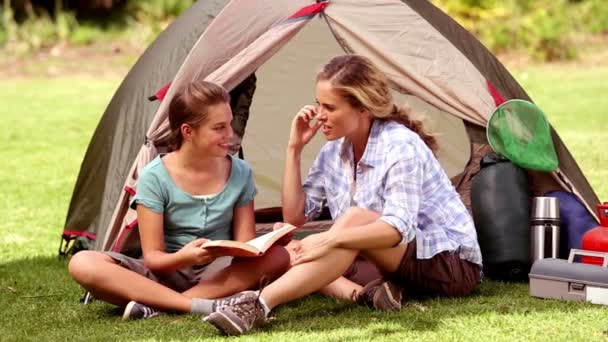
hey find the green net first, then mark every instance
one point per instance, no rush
(520, 131)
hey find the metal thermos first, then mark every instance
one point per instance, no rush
(544, 229)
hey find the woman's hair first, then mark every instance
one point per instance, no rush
(364, 86)
(190, 106)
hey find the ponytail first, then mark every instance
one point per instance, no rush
(402, 115)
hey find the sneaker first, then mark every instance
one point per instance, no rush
(135, 310)
(239, 318)
(233, 300)
(381, 295)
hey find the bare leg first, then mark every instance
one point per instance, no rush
(242, 274)
(112, 283)
(309, 277)
(342, 288)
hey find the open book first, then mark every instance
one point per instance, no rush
(251, 248)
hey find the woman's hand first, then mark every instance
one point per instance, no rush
(313, 247)
(194, 254)
(301, 129)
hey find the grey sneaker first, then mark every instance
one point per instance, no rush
(239, 318)
(234, 299)
(135, 310)
(381, 295)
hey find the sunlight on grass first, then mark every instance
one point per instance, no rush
(46, 127)
(574, 99)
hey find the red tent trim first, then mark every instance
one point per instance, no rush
(118, 245)
(161, 93)
(70, 233)
(309, 11)
(498, 99)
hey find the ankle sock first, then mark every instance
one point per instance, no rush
(202, 306)
(264, 306)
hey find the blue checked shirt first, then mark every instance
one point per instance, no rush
(399, 177)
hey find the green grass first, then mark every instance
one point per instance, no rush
(45, 129)
(576, 103)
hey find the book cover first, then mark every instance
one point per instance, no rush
(251, 248)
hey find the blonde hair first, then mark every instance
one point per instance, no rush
(191, 105)
(364, 86)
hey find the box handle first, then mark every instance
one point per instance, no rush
(574, 252)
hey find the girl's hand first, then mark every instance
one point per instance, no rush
(301, 130)
(195, 254)
(313, 247)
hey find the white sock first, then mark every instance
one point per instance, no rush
(202, 306)
(264, 306)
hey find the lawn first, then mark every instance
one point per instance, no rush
(46, 126)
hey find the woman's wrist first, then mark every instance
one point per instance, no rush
(294, 148)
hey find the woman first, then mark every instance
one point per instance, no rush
(184, 198)
(390, 198)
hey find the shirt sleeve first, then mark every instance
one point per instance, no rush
(402, 195)
(249, 190)
(149, 193)
(314, 190)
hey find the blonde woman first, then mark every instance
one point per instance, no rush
(391, 201)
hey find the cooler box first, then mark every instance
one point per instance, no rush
(566, 280)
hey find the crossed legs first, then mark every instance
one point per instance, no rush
(325, 274)
(112, 283)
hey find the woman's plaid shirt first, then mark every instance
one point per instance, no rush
(399, 177)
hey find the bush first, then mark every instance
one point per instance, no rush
(156, 14)
(544, 29)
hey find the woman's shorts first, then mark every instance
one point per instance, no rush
(445, 274)
(179, 280)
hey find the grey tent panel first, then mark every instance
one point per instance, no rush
(489, 66)
(121, 131)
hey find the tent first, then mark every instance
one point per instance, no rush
(433, 63)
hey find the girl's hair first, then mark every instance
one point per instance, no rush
(190, 106)
(364, 86)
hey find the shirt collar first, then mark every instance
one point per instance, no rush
(346, 148)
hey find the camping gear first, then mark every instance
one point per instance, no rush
(596, 239)
(574, 219)
(566, 280)
(500, 199)
(519, 130)
(544, 228)
(433, 63)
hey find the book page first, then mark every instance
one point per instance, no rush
(216, 245)
(262, 243)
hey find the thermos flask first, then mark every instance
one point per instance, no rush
(544, 229)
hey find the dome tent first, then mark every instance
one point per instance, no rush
(433, 63)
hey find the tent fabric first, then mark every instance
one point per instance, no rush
(434, 64)
(569, 175)
(230, 74)
(413, 55)
(121, 131)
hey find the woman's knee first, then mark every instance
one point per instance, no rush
(84, 265)
(355, 216)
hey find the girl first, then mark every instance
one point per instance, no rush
(391, 201)
(184, 198)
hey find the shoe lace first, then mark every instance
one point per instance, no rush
(221, 303)
(233, 300)
(148, 312)
(250, 310)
